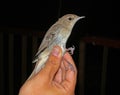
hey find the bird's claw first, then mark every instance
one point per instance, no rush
(71, 49)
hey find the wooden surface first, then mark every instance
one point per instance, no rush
(108, 42)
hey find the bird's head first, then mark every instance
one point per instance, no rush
(69, 20)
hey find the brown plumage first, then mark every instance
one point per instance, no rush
(57, 34)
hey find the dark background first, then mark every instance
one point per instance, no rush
(40, 15)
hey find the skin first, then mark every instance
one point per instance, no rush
(58, 77)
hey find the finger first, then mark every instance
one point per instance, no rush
(60, 75)
(63, 71)
(53, 63)
(68, 60)
(71, 72)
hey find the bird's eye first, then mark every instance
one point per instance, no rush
(70, 18)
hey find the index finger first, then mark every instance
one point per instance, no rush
(71, 72)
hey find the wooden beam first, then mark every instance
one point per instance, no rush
(24, 59)
(81, 67)
(1, 66)
(102, 41)
(21, 31)
(11, 64)
(104, 71)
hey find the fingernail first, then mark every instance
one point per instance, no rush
(56, 51)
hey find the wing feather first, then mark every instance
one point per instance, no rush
(48, 39)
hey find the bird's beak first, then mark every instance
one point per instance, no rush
(80, 17)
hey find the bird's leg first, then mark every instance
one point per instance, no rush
(71, 49)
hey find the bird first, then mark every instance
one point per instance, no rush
(57, 34)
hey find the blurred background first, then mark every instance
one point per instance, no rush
(23, 25)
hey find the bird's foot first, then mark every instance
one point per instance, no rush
(71, 49)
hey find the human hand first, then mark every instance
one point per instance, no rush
(58, 77)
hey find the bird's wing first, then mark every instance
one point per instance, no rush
(49, 38)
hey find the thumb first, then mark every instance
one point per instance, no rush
(53, 63)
